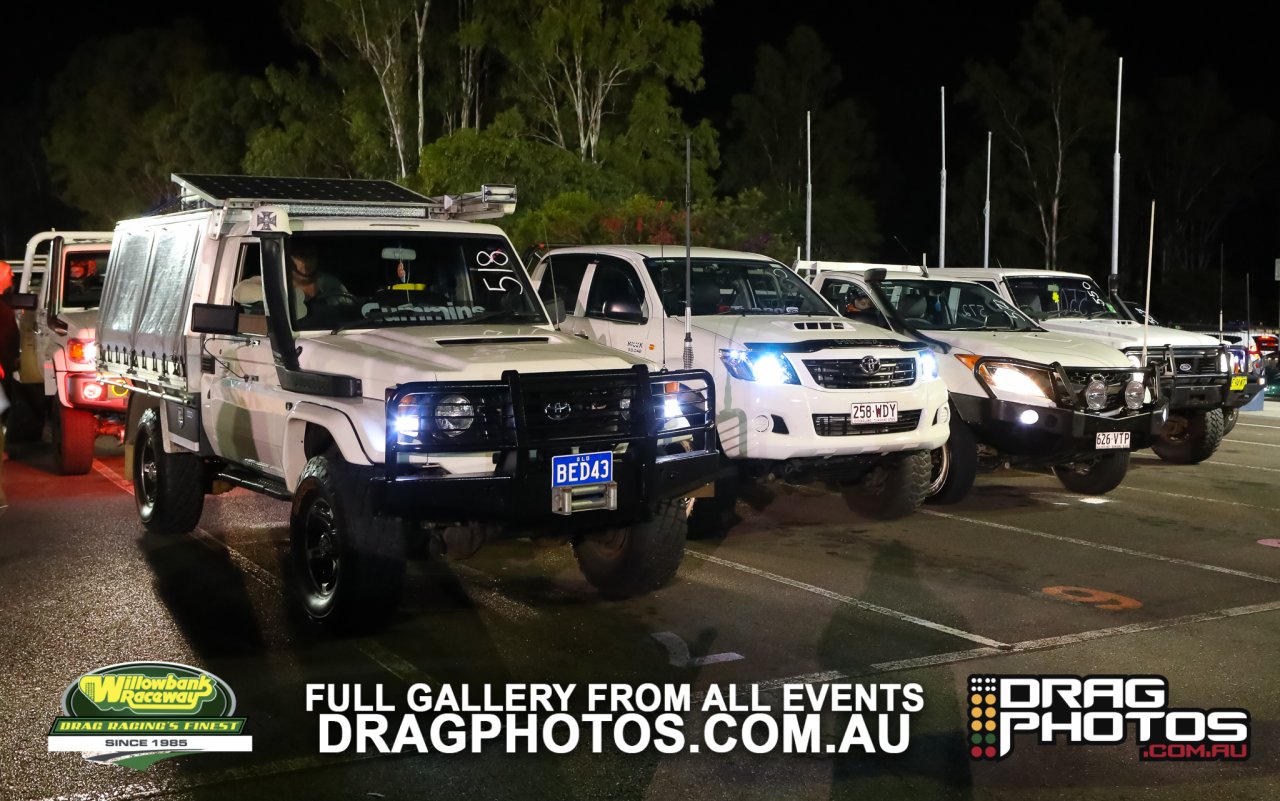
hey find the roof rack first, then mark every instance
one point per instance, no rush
(339, 197)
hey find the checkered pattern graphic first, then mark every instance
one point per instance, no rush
(983, 702)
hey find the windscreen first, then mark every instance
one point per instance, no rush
(1050, 297)
(734, 286)
(932, 305)
(380, 280)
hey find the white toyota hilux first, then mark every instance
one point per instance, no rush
(379, 361)
(1022, 395)
(1195, 370)
(799, 391)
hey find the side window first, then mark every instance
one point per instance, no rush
(989, 285)
(247, 292)
(562, 278)
(853, 302)
(616, 291)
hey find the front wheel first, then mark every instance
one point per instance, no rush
(168, 488)
(894, 488)
(712, 517)
(631, 560)
(1229, 419)
(349, 564)
(1096, 477)
(74, 432)
(1190, 438)
(954, 466)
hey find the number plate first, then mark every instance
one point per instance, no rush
(1238, 381)
(886, 412)
(580, 469)
(1109, 440)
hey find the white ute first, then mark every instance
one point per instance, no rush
(59, 352)
(373, 357)
(1022, 395)
(800, 392)
(1195, 370)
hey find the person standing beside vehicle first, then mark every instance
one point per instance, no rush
(8, 361)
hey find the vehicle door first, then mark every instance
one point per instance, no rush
(243, 404)
(617, 312)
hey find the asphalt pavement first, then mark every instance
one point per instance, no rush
(1166, 575)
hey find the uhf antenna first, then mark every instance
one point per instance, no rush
(688, 256)
(1146, 308)
(942, 194)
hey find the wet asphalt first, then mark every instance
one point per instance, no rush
(1165, 575)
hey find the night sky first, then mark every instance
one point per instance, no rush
(894, 56)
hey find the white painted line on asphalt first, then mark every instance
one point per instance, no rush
(678, 652)
(112, 476)
(1103, 547)
(1245, 466)
(1093, 501)
(844, 599)
(1127, 488)
(1257, 425)
(1251, 442)
(1138, 628)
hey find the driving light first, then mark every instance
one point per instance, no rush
(926, 365)
(1224, 363)
(91, 391)
(1095, 395)
(670, 408)
(408, 425)
(1029, 417)
(1134, 394)
(762, 367)
(454, 414)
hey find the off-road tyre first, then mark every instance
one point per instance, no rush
(74, 432)
(1229, 419)
(626, 561)
(348, 563)
(1095, 477)
(954, 466)
(712, 517)
(895, 488)
(1195, 441)
(168, 488)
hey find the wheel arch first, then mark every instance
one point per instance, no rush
(312, 429)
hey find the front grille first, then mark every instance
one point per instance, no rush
(557, 407)
(1182, 362)
(852, 373)
(1115, 380)
(838, 425)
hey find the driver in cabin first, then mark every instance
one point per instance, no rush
(310, 284)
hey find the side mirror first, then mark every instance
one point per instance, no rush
(24, 300)
(210, 318)
(624, 310)
(875, 275)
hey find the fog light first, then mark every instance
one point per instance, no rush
(761, 423)
(91, 391)
(944, 414)
(1134, 391)
(1029, 417)
(1095, 395)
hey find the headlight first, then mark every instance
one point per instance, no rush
(926, 365)
(1134, 393)
(454, 415)
(82, 351)
(408, 425)
(1017, 380)
(1224, 363)
(762, 366)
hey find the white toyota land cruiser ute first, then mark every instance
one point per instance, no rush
(799, 391)
(370, 355)
(1195, 370)
(59, 352)
(1022, 395)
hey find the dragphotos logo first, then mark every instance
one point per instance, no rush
(1099, 710)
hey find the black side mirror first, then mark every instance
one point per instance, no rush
(875, 275)
(624, 310)
(24, 300)
(210, 318)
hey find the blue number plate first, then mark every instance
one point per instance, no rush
(579, 469)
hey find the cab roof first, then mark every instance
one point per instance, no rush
(972, 273)
(661, 251)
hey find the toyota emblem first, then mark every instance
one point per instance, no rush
(870, 364)
(558, 410)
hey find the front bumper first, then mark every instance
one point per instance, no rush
(83, 390)
(658, 453)
(1237, 398)
(1051, 435)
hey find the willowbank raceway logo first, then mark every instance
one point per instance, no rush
(137, 713)
(1099, 710)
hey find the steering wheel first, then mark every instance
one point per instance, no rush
(335, 299)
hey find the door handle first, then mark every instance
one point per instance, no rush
(580, 335)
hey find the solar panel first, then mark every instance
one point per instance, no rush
(218, 188)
